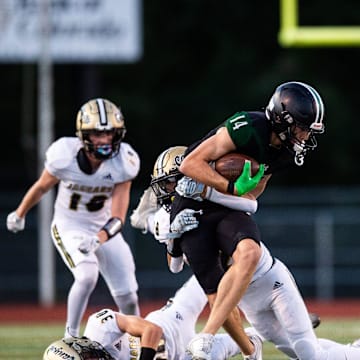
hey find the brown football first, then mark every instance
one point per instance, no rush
(230, 166)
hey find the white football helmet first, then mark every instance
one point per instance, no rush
(166, 172)
(100, 115)
(76, 349)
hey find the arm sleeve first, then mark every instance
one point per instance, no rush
(176, 264)
(231, 201)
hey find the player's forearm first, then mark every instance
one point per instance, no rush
(31, 198)
(202, 172)
(231, 201)
(120, 206)
(121, 200)
(151, 336)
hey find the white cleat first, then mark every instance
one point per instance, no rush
(257, 355)
(199, 348)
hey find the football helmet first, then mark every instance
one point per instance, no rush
(100, 115)
(166, 174)
(76, 349)
(296, 104)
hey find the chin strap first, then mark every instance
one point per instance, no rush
(299, 159)
(300, 152)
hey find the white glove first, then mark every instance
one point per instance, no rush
(185, 220)
(15, 223)
(190, 188)
(89, 245)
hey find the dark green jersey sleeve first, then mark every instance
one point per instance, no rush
(250, 133)
(240, 128)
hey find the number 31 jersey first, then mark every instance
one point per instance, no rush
(85, 199)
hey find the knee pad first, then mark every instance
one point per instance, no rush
(287, 351)
(308, 350)
(86, 274)
(128, 304)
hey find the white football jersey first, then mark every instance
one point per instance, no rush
(102, 327)
(161, 223)
(178, 318)
(87, 197)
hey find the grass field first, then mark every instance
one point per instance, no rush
(28, 341)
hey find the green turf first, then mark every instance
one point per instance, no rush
(28, 341)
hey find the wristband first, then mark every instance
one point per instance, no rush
(112, 227)
(147, 353)
(230, 187)
(173, 248)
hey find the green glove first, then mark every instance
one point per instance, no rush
(245, 183)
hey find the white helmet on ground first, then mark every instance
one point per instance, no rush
(76, 349)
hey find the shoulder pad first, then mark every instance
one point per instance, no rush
(60, 153)
(127, 162)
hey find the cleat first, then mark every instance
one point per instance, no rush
(315, 320)
(199, 348)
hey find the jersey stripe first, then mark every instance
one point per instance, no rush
(62, 247)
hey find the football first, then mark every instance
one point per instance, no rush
(230, 166)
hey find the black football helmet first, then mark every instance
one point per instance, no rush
(166, 170)
(100, 115)
(296, 104)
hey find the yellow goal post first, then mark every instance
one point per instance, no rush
(291, 34)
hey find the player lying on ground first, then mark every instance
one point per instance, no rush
(174, 324)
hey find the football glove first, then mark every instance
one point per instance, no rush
(15, 223)
(190, 188)
(245, 183)
(184, 221)
(89, 245)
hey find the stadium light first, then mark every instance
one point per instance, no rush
(293, 35)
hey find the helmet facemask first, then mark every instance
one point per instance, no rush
(164, 188)
(296, 105)
(105, 151)
(97, 116)
(166, 175)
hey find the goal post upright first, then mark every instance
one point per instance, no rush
(292, 34)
